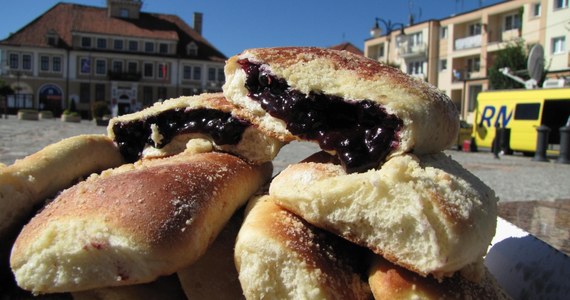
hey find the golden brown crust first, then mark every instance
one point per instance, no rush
(279, 255)
(427, 214)
(29, 181)
(389, 281)
(134, 223)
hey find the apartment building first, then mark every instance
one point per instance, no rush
(455, 53)
(117, 54)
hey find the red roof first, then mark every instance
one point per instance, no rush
(67, 19)
(348, 47)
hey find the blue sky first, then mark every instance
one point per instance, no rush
(234, 25)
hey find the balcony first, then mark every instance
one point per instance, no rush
(124, 76)
(468, 42)
(406, 50)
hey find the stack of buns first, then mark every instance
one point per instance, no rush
(380, 212)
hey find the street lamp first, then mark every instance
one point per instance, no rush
(376, 31)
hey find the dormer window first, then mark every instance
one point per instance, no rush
(192, 49)
(52, 38)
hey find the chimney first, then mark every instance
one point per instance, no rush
(198, 22)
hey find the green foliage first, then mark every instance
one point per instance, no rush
(69, 112)
(514, 57)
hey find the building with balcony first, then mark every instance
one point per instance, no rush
(117, 54)
(407, 48)
(455, 53)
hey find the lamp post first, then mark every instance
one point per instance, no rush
(376, 31)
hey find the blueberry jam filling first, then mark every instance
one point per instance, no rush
(131, 137)
(361, 133)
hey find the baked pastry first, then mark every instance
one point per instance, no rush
(201, 123)
(30, 181)
(391, 282)
(166, 287)
(214, 275)
(354, 107)
(427, 214)
(134, 223)
(280, 256)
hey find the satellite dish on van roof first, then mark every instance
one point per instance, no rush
(535, 63)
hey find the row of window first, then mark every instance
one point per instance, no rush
(150, 70)
(24, 62)
(512, 21)
(124, 45)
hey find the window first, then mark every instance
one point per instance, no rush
(536, 10)
(133, 46)
(474, 90)
(443, 32)
(147, 95)
(221, 75)
(192, 49)
(100, 67)
(56, 64)
(84, 92)
(86, 42)
(52, 40)
(527, 111)
(44, 63)
(187, 72)
(415, 39)
(381, 50)
(85, 65)
(124, 13)
(163, 48)
(442, 64)
(473, 64)
(161, 93)
(26, 61)
(117, 66)
(132, 67)
(149, 47)
(148, 70)
(14, 61)
(416, 68)
(102, 43)
(558, 45)
(162, 71)
(512, 22)
(99, 92)
(197, 73)
(212, 74)
(474, 29)
(559, 4)
(118, 44)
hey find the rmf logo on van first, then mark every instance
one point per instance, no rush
(501, 117)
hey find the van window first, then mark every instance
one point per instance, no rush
(527, 111)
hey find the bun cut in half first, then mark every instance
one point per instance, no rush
(278, 255)
(426, 213)
(354, 107)
(133, 224)
(199, 123)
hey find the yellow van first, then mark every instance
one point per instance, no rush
(522, 111)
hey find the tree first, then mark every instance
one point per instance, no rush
(514, 57)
